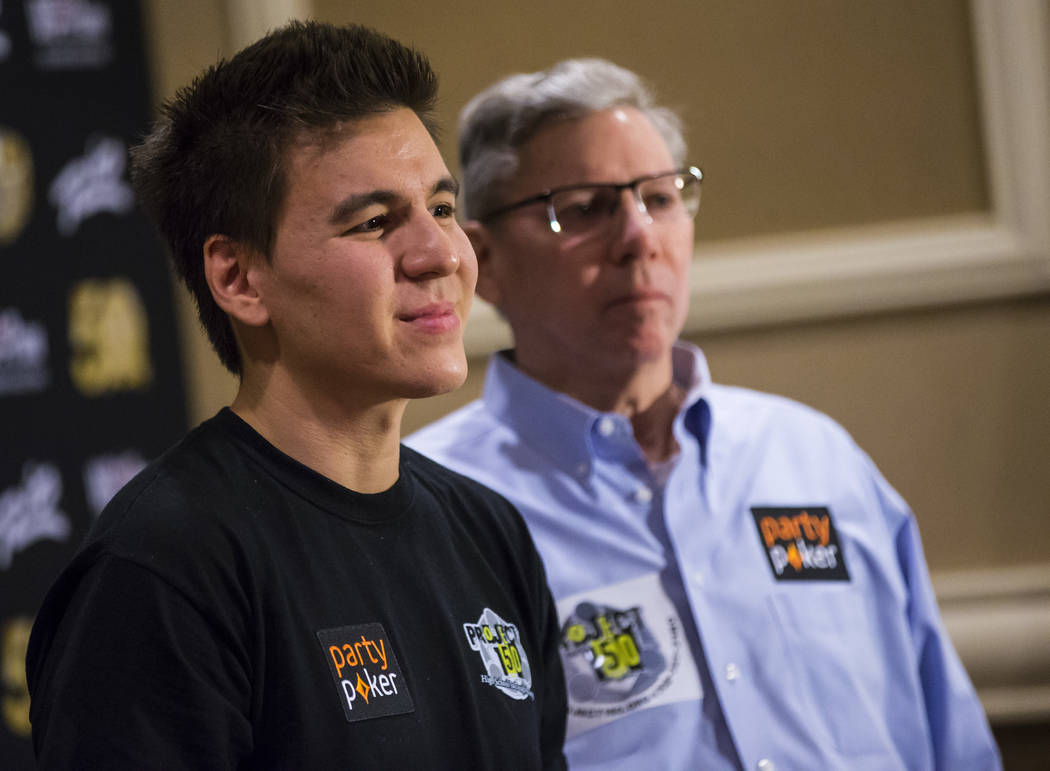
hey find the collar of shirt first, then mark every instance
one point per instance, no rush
(573, 434)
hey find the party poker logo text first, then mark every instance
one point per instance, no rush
(801, 543)
(367, 675)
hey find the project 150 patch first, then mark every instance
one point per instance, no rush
(801, 543)
(502, 653)
(624, 650)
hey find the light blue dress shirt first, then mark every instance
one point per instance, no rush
(762, 603)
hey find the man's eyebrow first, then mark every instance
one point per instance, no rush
(352, 204)
(447, 185)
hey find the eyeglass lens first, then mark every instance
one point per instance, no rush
(663, 198)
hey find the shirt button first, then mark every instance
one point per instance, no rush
(732, 673)
(766, 765)
(606, 426)
(643, 495)
(698, 579)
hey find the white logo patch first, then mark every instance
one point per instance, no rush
(502, 654)
(623, 647)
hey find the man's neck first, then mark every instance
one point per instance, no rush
(654, 426)
(355, 445)
(647, 396)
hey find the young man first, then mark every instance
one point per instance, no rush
(738, 587)
(288, 587)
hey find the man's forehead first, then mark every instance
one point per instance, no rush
(609, 145)
(377, 148)
(312, 142)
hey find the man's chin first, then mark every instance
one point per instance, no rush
(645, 348)
(436, 383)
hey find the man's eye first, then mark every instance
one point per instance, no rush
(660, 201)
(372, 225)
(579, 205)
(444, 210)
(579, 211)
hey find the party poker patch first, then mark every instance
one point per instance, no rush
(801, 543)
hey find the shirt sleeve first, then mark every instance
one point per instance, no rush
(959, 730)
(555, 705)
(554, 701)
(128, 673)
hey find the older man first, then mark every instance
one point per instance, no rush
(288, 587)
(737, 585)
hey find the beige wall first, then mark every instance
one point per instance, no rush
(802, 113)
(804, 116)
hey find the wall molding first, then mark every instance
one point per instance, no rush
(999, 621)
(999, 253)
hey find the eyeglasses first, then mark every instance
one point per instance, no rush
(588, 209)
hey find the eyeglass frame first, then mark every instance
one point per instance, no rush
(546, 195)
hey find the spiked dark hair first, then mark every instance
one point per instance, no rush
(214, 162)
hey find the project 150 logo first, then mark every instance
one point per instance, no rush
(502, 654)
(801, 543)
(608, 643)
(623, 650)
(367, 674)
(609, 653)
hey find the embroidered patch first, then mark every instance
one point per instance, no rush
(367, 676)
(502, 654)
(623, 649)
(801, 543)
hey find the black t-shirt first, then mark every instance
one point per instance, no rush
(233, 608)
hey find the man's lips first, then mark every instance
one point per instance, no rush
(639, 296)
(432, 317)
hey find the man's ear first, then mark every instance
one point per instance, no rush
(488, 284)
(226, 269)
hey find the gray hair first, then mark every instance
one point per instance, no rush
(496, 123)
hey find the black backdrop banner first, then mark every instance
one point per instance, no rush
(90, 384)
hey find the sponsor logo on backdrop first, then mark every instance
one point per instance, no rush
(368, 678)
(502, 654)
(108, 337)
(104, 475)
(92, 184)
(70, 34)
(5, 41)
(14, 690)
(800, 543)
(29, 511)
(623, 650)
(16, 184)
(23, 354)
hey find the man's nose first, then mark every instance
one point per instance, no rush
(428, 250)
(634, 230)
